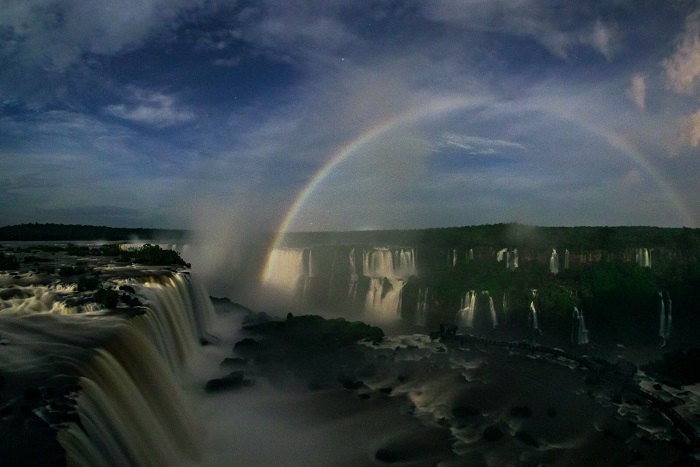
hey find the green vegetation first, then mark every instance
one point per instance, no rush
(319, 351)
(62, 232)
(108, 298)
(153, 255)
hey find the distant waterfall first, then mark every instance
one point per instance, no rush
(579, 333)
(423, 306)
(388, 270)
(554, 262)
(533, 312)
(665, 317)
(352, 286)
(492, 311)
(289, 270)
(510, 257)
(566, 259)
(467, 308)
(643, 257)
(452, 257)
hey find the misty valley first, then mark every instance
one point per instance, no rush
(489, 345)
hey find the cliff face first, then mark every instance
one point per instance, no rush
(461, 275)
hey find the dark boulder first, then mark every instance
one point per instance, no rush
(233, 380)
(386, 455)
(233, 362)
(492, 433)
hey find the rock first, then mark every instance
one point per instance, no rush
(465, 411)
(520, 411)
(492, 433)
(233, 362)
(527, 438)
(233, 380)
(350, 383)
(385, 455)
(246, 345)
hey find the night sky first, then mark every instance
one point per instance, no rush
(349, 114)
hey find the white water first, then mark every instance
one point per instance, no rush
(130, 405)
(423, 306)
(665, 317)
(533, 312)
(466, 309)
(289, 270)
(579, 332)
(554, 262)
(643, 257)
(492, 311)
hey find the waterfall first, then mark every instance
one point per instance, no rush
(352, 286)
(470, 256)
(130, 409)
(179, 316)
(384, 296)
(492, 310)
(423, 306)
(467, 308)
(554, 262)
(566, 259)
(510, 256)
(388, 270)
(643, 257)
(126, 364)
(579, 333)
(501, 254)
(505, 307)
(533, 312)
(452, 257)
(288, 270)
(665, 317)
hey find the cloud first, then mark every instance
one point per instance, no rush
(638, 91)
(683, 68)
(689, 132)
(56, 34)
(556, 25)
(602, 39)
(227, 62)
(151, 108)
(480, 146)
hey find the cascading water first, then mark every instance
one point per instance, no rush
(554, 262)
(388, 271)
(566, 259)
(289, 271)
(130, 409)
(423, 306)
(665, 317)
(492, 311)
(129, 405)
(465, 317)
(118, 397)
(533, 312)
(579, 333)
(352, 286)
(643, 257)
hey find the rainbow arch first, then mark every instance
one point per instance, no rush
(442, 106)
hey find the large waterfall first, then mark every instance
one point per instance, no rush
(127, 364)
(369, 279)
